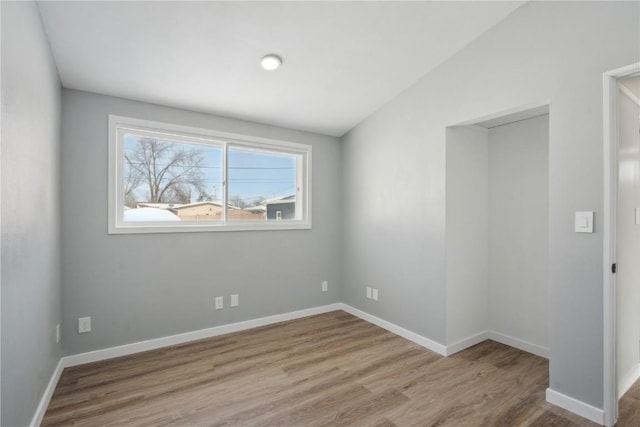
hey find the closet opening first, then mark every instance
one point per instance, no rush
(497, 230)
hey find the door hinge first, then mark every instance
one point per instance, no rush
(613, 268)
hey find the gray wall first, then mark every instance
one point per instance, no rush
(519, 230)
(394, 174)
(143, 286)
(30, 224)
(467, 246)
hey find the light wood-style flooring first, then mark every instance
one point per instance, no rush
(330, 369)
(629, 407)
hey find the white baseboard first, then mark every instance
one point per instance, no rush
(46, 396)
(123, 350)
(627, 381)
(519, 344)
(398, 330)
(576, 406)
(137, 347)
(497, 337)
(556, 398)
(467, 342)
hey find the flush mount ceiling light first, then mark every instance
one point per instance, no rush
(271, 62)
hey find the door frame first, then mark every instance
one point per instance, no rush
(610, 134)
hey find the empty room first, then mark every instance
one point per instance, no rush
(305, 213)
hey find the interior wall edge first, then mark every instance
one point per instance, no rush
(467, 342)
(576, 406)
(623, 89)
(38, 416)
(31, 213)
(520, 344)
(628, 380)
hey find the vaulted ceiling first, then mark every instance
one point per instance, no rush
(342, 60)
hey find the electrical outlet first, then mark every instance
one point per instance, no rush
(219, 303)
(368, 292)
(235, 300)
(374, 295)
(325, 286)
(84, 325)
(58, 333)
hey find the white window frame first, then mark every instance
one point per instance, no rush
(118, 125)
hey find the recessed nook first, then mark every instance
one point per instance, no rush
(497, 230)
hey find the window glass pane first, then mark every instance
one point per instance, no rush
(169, 180)
(261, 184)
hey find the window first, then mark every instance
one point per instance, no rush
(169, 178)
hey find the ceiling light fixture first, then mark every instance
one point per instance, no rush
(271, 62)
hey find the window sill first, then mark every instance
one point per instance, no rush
(150, 228)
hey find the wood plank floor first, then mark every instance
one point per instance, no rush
(629, 407)
(330, 369)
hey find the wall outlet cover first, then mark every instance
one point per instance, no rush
(325, 286)
(235, 300)
(84, 325)
(368, 292)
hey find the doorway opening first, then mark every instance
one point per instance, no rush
(621, 235)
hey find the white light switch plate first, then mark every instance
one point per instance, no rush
(584, 222)
(637, 216)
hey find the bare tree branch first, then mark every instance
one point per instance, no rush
(169, 172)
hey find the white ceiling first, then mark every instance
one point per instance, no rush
(342, 60)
